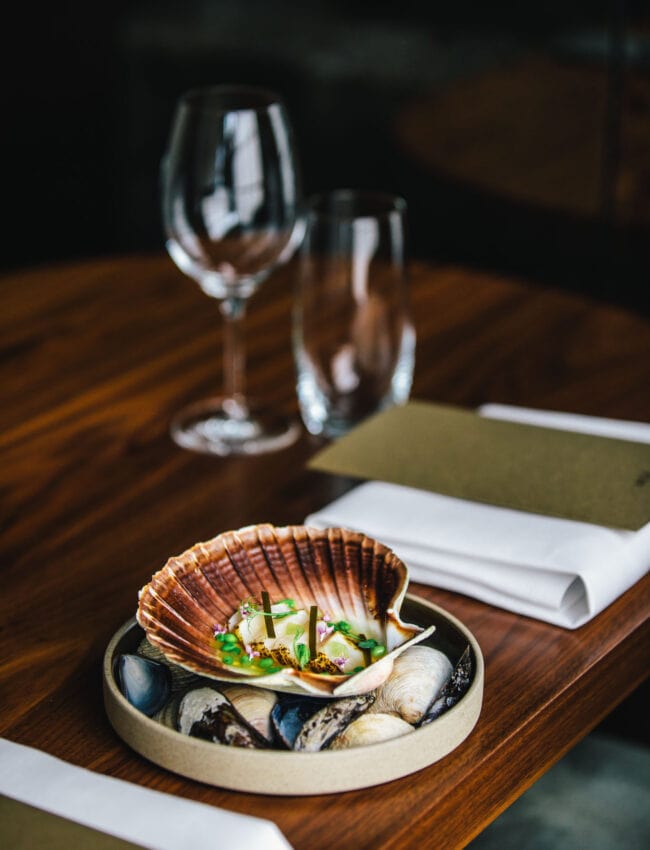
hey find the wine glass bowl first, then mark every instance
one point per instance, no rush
(231, 212)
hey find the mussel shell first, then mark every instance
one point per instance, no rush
(146, 684)
(323, 727)
(452, 692)
(181, 679)
(290, 714)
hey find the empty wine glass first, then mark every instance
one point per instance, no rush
(231, 210)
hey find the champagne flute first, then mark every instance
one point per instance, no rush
(231, 211)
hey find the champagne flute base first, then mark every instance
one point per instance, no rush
(221, 426)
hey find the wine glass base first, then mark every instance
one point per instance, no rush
(221, 427)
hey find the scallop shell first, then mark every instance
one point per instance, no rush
(371, 728)
(418, 676)
(351, 576)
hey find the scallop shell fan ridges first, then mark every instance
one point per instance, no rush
(349, 575)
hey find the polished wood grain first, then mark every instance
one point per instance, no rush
(95, 358)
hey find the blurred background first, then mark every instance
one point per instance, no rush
(518, 133)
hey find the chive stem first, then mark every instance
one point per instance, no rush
(268, 616)
(313, 616)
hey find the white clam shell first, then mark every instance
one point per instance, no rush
(254, 705)
(348, 575)
(371, 728)
(418, 675)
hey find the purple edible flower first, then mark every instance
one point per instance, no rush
(252, 653)
(323, 630)
(218, 629)
(341, 661)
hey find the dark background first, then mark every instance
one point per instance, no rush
(518, 133)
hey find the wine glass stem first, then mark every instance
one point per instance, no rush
(233, 310)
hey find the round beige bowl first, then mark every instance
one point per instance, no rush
(294, 773)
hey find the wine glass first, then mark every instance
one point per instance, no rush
(231, 211)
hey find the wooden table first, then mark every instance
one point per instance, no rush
(533, 132)
(96, 357)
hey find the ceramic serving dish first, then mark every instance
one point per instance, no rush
(287, 772)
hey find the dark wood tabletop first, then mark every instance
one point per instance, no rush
(96, 357)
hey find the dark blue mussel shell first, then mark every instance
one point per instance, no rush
(146, 684)
(290, 714)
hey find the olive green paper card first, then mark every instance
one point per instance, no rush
(458, 453)
(24, 827)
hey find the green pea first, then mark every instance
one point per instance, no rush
(236, 650)
(245, 661)
(227, 659)
(378, 651)
(265, 662)
(229, 637)
(273, 669)
(221, 638)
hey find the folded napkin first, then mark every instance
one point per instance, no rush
(147, 818)
(558, 570)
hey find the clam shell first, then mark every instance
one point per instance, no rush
(371, 728)
(349, 575)
(208, 714)
(254, 705)
(454, 689)
(418, 676)
(168, 714)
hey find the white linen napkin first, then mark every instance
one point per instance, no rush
(149, 818)
(561, 571)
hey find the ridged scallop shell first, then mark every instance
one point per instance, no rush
(351, 576)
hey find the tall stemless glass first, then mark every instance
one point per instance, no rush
(354, 341)
(231, 211)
